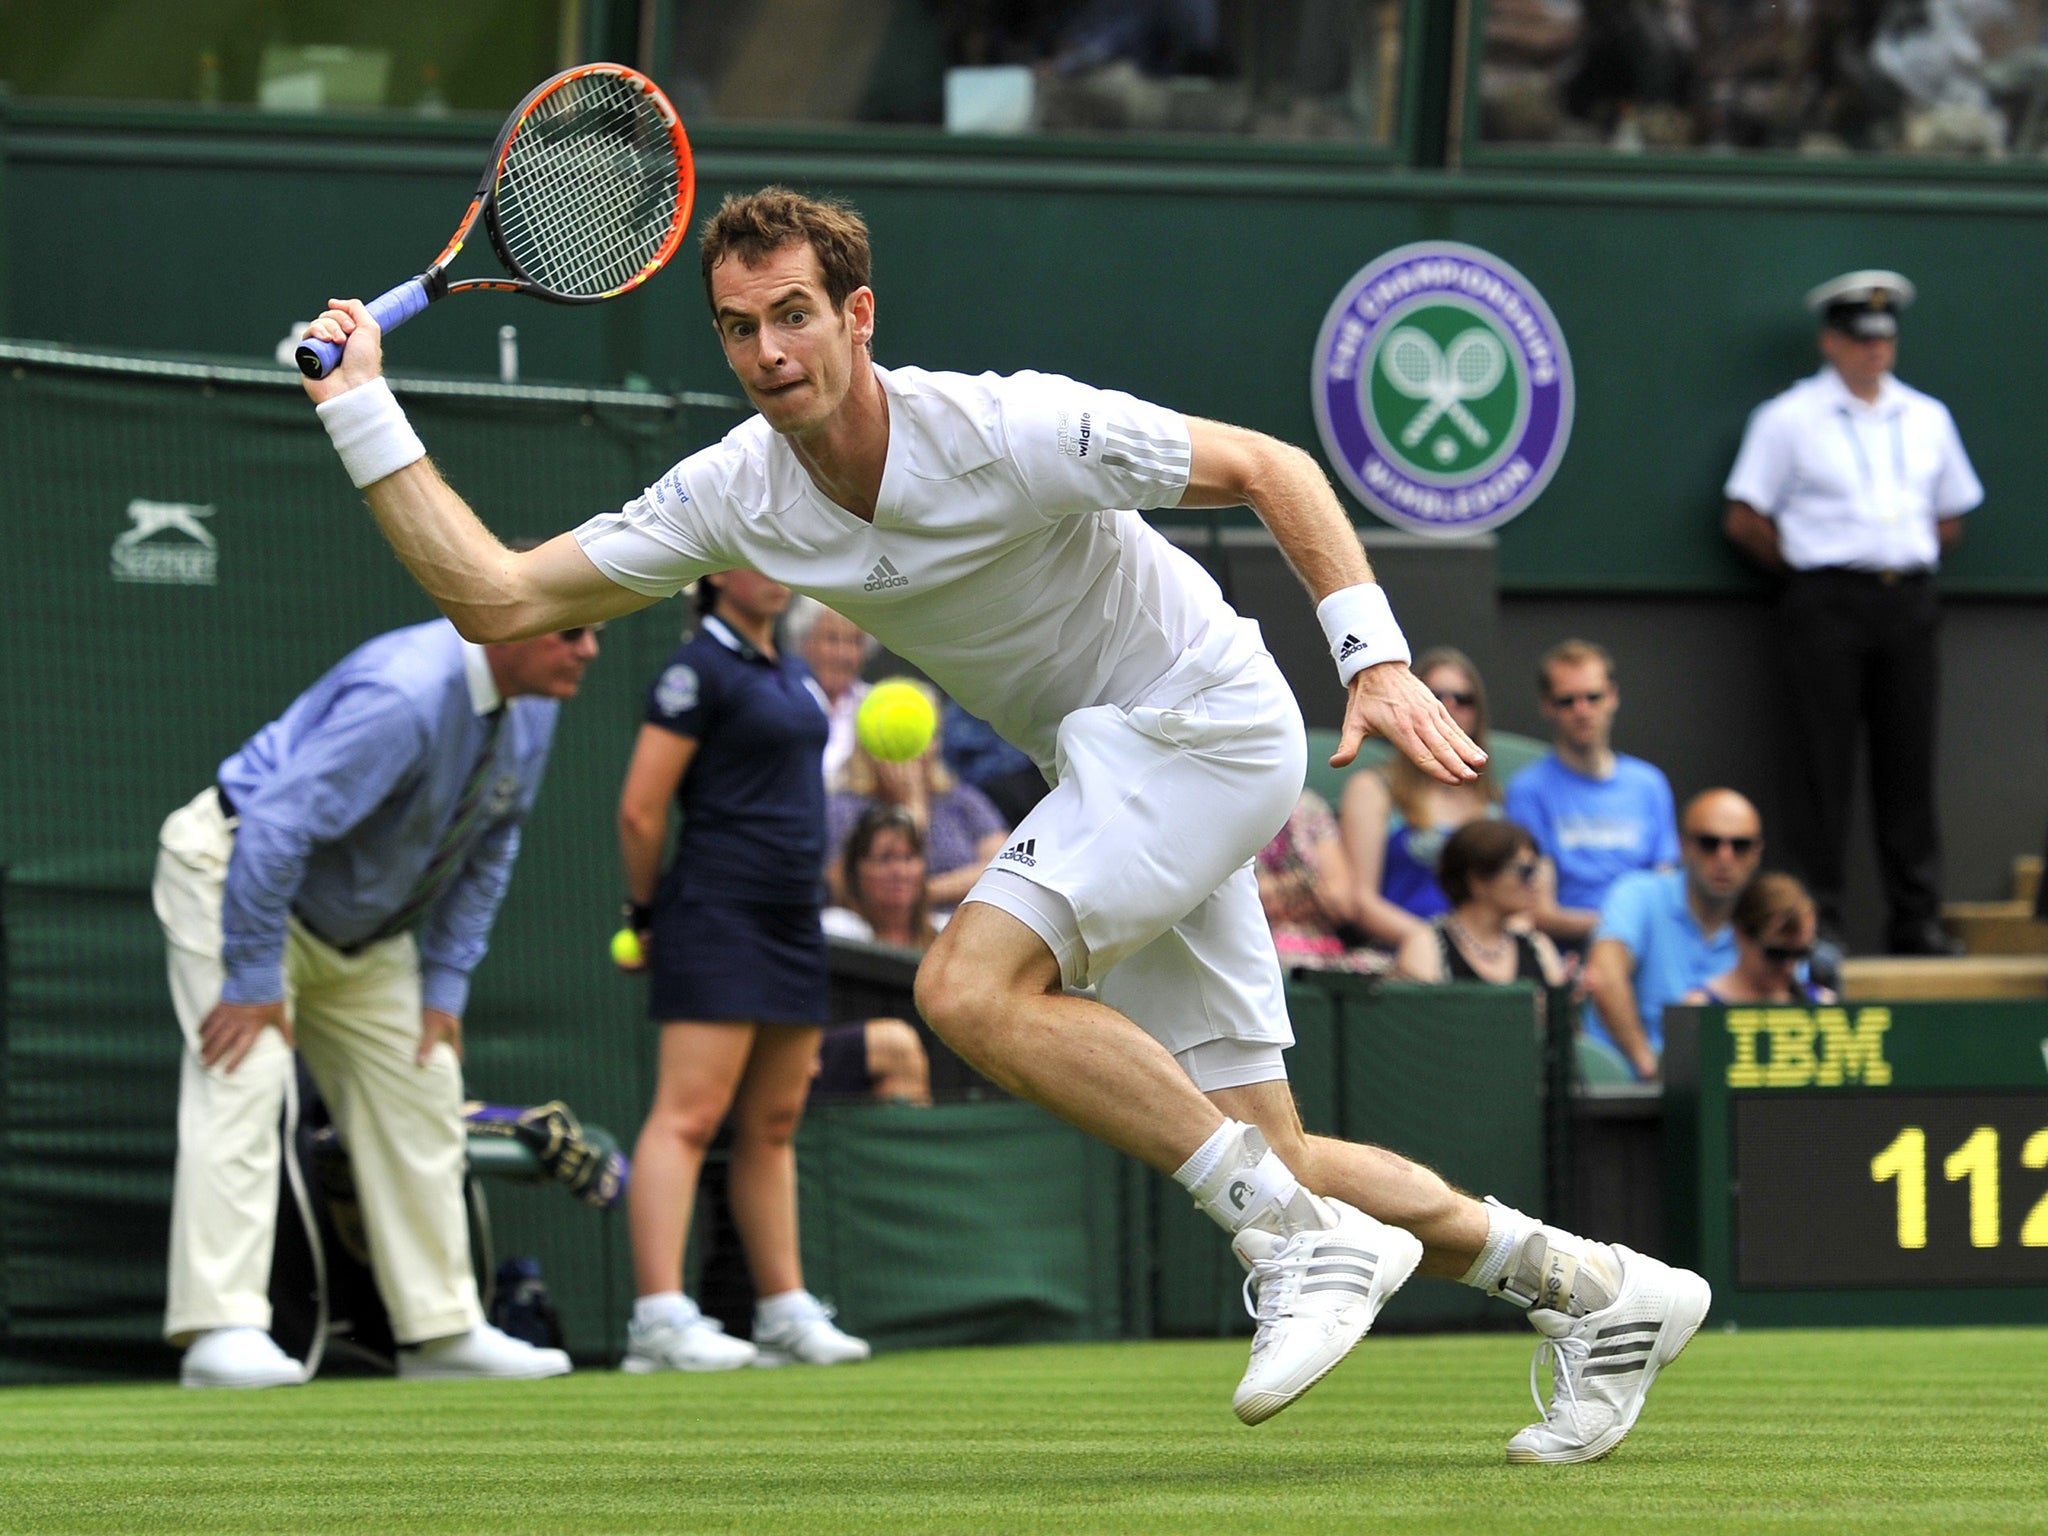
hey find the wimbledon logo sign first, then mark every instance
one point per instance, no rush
(1443, 390)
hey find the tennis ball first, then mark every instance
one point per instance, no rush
(896, 721)
(626, 950)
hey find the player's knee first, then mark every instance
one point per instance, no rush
(952, 998)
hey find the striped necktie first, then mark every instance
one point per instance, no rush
(453, 847)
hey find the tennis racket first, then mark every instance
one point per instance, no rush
(587, 194)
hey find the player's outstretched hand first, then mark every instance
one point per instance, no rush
(348, 322)
(1389, 700)
(230, 1031)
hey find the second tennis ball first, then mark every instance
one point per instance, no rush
(896, 721)
(626, 950)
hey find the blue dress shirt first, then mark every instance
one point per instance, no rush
(343, 800)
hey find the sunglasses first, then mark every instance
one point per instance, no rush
(1567, 700)
(576, 632)
(1453, 696)
(1709, 844)
(1787, 954)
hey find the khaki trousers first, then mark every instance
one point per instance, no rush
(357, 1021)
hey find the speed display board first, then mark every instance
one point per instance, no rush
(1861, 1163)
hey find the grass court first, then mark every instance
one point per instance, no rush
(1850, 1431)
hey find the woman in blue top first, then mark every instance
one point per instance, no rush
(1395, 819)
(738, 972)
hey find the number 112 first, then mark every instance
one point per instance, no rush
(1905, 1160)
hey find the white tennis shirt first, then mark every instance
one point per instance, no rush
(1006, 558)
(1850, 483)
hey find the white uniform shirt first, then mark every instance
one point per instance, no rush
(999, 561)
(1854, 484)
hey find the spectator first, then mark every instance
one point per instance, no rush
(1664, 932)
(1853, 486)
(882, 871)
(1774, 922)
(962, 829)
(738, 976)
(1395, 819)
(1489, 869)
(980, 757)
(1596, 813)
(333, 890)
(1310, 894)
(835, 649)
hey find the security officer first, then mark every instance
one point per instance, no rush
(1854, 485)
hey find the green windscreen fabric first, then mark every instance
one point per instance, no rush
(184, 556)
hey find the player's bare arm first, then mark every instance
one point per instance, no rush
(491, 593)
(1232, 466)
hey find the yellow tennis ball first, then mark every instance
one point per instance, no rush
(896, 721)
(626, 950)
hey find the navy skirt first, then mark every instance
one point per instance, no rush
(737, 962)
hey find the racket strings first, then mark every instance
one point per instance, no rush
(588, 192)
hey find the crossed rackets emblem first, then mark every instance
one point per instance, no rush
(1444, 378)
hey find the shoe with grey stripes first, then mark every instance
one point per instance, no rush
(1602, 1364)
(1314, 1294)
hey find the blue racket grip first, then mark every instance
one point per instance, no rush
(317, 358)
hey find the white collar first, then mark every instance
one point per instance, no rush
(484, 697)
(1888, 398)
(732, 639)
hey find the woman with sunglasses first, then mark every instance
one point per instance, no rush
(1395, 818)
(1488, 870)
(1774, 922)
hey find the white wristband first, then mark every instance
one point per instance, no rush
(1361, 629)
(370, 432)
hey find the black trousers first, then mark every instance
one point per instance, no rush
(1862, 659)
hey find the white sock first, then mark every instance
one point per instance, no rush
(783, 1306)
(661, 1307)
(1238, 1181)
(1505, 1229)
(1536, 1266)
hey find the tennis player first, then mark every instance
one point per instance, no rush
(981, 528)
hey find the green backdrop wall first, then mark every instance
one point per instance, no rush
(1201, 286)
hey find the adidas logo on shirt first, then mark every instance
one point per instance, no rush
(883, 577)
(1351, 644)
(1024, 851)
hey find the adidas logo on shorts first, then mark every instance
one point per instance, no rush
(1024, 851)
(883, 577)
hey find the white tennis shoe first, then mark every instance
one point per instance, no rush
(482, 1354)
(1602, 1364)
(238, 1357)
(1314, 1294)
(688, 1341)
(808, 1337)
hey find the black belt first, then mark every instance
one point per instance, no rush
(1885, 578)
(227, 809)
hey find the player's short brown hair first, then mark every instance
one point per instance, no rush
(1571, 653)
(750, 226)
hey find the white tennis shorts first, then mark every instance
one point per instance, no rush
(1136, 869)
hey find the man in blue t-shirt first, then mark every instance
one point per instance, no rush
(1596, 814)
(1664, 932)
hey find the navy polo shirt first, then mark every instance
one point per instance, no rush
(753, 798)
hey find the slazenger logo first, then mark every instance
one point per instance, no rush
(1024, 851)
(1442, 388)
(1240, 1192)
(190, 559)
(884, 576)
